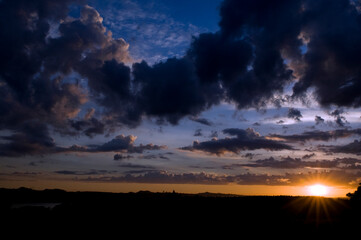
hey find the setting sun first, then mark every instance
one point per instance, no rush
(318, 190)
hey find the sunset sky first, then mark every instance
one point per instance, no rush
(236, 96)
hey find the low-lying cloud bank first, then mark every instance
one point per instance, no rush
(335, 177)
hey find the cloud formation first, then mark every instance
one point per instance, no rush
(295, 114)
(298, 163)
(318, 135)
(119, 157)
(66, 61)
(337, 177)
(34, 139)
(31, 139)
(67, 73)
(340, 120)
(330, 64)
(319, 120)
(352, 148)
(120, 143)
(203, 121)
(46, 53)
(247, 139)
(82, 173)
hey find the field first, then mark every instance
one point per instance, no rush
(57, 211)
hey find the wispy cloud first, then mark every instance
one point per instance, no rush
(152, 34)
(298, 163)
(317, 135)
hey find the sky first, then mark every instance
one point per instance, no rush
(246, 97)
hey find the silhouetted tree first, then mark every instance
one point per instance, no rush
(356, 195)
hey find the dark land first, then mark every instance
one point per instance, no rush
(34, 212)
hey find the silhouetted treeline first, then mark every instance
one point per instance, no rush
(144, 211)
(356, 196)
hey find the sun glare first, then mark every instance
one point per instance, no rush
(318, 190)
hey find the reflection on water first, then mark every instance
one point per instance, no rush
(45, 205)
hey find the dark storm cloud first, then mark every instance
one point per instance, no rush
(228, 64)
(214, 69)
(110, 87)
(294, 114)
(319, 135)
(48, 46)
(24, 27)
(259, 24)
(243, 140)
(331, 63)
(32, 139)
(41, 47)
(248, 62)
(170, 90)
(330, 31)
(85, 46)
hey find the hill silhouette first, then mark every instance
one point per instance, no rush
(60, 211)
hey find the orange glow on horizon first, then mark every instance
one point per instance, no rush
(266, 190)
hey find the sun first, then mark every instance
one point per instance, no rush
(318, 190)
